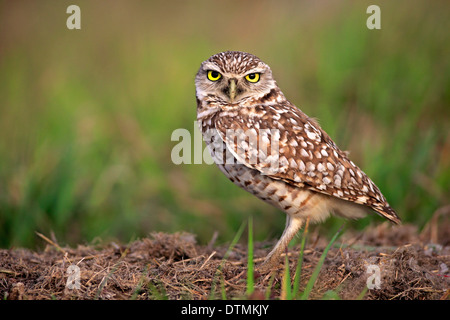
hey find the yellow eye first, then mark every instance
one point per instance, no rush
(214, 75)
(252, 77)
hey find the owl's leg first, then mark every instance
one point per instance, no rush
(291, 229)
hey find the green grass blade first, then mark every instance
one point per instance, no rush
(315, 274)
(286, 293)
(269, 286)
(233, 242)
(223, 291)
(157, 291)
(298, 270)
(225, 257)
(331, 295)
(363, 293)
(250, 269)
(138, 288)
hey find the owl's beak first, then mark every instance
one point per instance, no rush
(232, 89)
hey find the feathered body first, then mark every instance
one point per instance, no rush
(270, 148)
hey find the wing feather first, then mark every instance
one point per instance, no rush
(282, 142)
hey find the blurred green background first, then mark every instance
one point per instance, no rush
(86, 116)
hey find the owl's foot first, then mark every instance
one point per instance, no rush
(272, 261)
(269, 265)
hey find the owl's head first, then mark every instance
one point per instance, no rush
(233, 76)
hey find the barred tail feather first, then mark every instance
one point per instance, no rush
(388, 213)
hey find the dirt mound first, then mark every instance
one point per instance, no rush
(174, 266)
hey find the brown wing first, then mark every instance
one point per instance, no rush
(282, 142)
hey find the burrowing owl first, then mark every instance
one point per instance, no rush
(267, 146)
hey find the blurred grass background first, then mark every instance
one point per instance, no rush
(86, 115)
